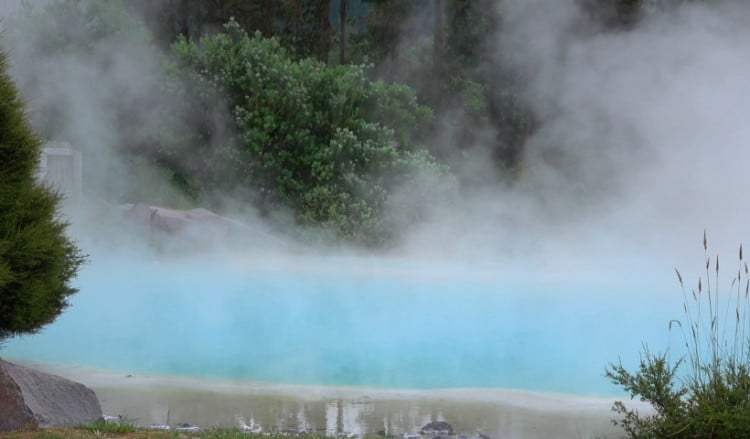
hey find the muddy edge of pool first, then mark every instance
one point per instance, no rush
(497, 413)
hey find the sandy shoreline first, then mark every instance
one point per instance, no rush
(498, 413)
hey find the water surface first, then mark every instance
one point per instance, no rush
(355, 322)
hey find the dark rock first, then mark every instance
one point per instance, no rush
(188, 428)
(29, 398)
(437, 428)
(304, 431)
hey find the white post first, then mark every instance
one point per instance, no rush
(60, 166)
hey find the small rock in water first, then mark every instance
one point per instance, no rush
(300, 431)
(437, 428)
(188, 428)
(109, 419)
(410, 436)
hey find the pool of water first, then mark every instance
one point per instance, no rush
(353, 321)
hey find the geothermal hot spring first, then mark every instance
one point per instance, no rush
(211, 339)
(640, 143)
(352, 322)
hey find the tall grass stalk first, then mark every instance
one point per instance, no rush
(706, 391)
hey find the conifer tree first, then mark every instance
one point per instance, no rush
(37, 259)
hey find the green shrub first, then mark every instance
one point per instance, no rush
(37, 260)
(706, 393)
(324, 141)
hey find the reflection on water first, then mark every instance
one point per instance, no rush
(355, 415)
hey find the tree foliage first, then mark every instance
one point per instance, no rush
(303, 26)
(441, 48)
(325, 141)
(37, 260)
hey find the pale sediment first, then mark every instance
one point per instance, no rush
(497, 413)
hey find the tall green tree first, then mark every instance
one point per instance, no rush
(438, 38)
(303, 26)
(615, 14)
(490, 91)
(306, 28)
(444, 50)
(37, 259)
(193, 18)
(342, 31)
(385, 27)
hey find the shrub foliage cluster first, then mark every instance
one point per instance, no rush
(324, 140)
(706, 392)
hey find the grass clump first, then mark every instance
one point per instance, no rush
(706, 392)
(101, 426)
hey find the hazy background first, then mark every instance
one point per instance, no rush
(640, 141)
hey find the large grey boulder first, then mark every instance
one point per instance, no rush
(29, 398)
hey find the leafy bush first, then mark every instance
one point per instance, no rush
(37, 260)
(706, 393)
(325, 141)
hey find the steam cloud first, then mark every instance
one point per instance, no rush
(642, 139)
(640, 144)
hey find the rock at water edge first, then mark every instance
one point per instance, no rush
(437, 428)
(31, 398)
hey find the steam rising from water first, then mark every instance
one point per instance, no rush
(392, 324)
(643, 134)
(641, 143)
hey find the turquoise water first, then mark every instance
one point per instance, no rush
(334, 323)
